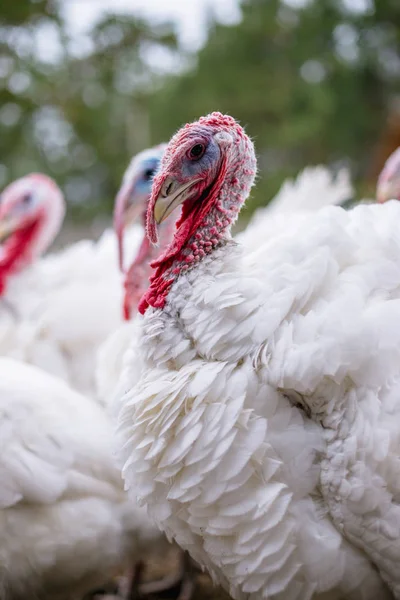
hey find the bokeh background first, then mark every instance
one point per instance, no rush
(84, 84)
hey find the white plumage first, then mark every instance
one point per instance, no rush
(313, 188)
(84, 305)
(57, 310)
(86, 309)
(277, 502)
(65, 523)
(110, 360)
(60, 309)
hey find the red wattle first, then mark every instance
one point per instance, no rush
(190, 220)
(17, 252)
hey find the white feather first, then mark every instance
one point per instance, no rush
(318, 314)
(58, 312)
(65, 522)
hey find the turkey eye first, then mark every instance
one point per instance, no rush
(148, 174)
(26, 198)
(196, 151)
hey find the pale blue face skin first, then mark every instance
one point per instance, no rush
(207, 163)
(143, 184)
(22, 201)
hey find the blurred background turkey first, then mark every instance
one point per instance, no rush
(87, 84)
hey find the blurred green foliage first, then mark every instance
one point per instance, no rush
(311, 81)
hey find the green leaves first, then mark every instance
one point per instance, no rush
(311, 82)
(307, 82)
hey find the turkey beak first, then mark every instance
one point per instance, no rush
(7, 226)
(171, 195)
(125, 213)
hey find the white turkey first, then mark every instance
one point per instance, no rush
(31, 214)
(138, 180)
(313, 188)
(83, 306)
(133, 195)
(130, 205)
(97, 293)
(66, 526)
(56, 311)
(273, 504)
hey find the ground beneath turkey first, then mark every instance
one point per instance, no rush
(161, 563)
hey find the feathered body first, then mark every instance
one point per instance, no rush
(110, 360)
(226, 465)
(65, 523)
(212, 435)
(83, 306)
(311, 190)
(56, 311)
(99, 290)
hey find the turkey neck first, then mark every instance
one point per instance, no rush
(138, 276)
(18, 252)
(206, 225)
